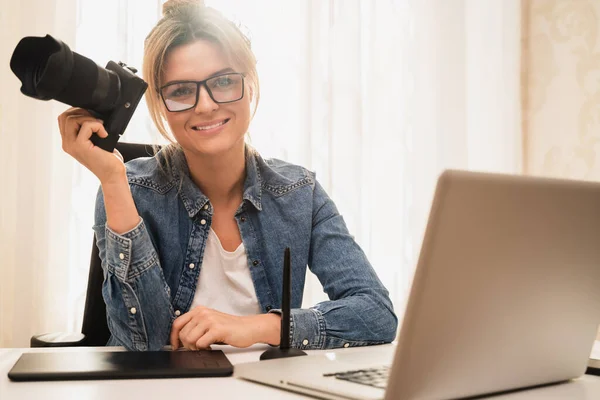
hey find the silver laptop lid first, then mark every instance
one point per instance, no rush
(507, 289)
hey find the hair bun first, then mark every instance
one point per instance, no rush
(172, 6)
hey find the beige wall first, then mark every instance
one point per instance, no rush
(561, 82)
(561, 88)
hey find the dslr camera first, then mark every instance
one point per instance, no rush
(48, 69)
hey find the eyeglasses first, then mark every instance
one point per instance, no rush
(183, 95)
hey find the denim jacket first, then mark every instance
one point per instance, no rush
(151, 272)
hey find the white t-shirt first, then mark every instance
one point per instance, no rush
(225, 283)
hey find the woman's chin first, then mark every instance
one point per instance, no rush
(215, 146)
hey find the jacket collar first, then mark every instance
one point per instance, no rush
(192, 197)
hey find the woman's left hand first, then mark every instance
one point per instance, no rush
(201, 327)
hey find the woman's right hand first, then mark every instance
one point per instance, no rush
(76, 128)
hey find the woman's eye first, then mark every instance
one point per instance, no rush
(223, 82)
(182, 91)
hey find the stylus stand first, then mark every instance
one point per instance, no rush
(276, 352)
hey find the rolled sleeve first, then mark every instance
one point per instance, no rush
(307, 329)
(129, 254)
(359, 311)
(137, 297)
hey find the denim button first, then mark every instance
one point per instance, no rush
(206, 206)
(132, 310)
(178, 313)
(269, 308)
(121, 256)
(192, 266)
(243, 219)
(202, 222)
(347, 345)
(305, 342)
(255, 263)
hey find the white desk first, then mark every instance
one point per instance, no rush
(584, 388)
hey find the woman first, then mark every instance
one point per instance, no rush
(192, 240)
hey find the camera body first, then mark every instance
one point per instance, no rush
(132, 89)
(48, 69)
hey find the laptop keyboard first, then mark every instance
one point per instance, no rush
(376, 377)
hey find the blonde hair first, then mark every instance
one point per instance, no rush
(183, 22)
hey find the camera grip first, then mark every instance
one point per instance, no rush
(108, 143)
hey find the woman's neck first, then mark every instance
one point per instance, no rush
(220, 177)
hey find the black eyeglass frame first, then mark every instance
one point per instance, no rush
(202, 83)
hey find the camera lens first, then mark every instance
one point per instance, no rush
(48, 69)
(38, 72)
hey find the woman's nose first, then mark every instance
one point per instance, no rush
(205, 102)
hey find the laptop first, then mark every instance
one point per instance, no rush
(80, 365)
(506, 295)
(593, 367)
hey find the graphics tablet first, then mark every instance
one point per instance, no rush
(120, 365)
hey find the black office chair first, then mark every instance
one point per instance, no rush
(94, 330)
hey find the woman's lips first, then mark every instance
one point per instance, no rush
(211, 127)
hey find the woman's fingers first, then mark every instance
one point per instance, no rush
(189, 336)
(70, 113)
(202, 327)
(206, 340)
(88, 128)
(178, 325)
(76, 128)
(63, 117)
(72, 126)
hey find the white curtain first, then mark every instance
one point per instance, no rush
(378, 97)
(35, 199)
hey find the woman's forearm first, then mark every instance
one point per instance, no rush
(121, 212)
(269, 328)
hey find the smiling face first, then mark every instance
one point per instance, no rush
(209, 128)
